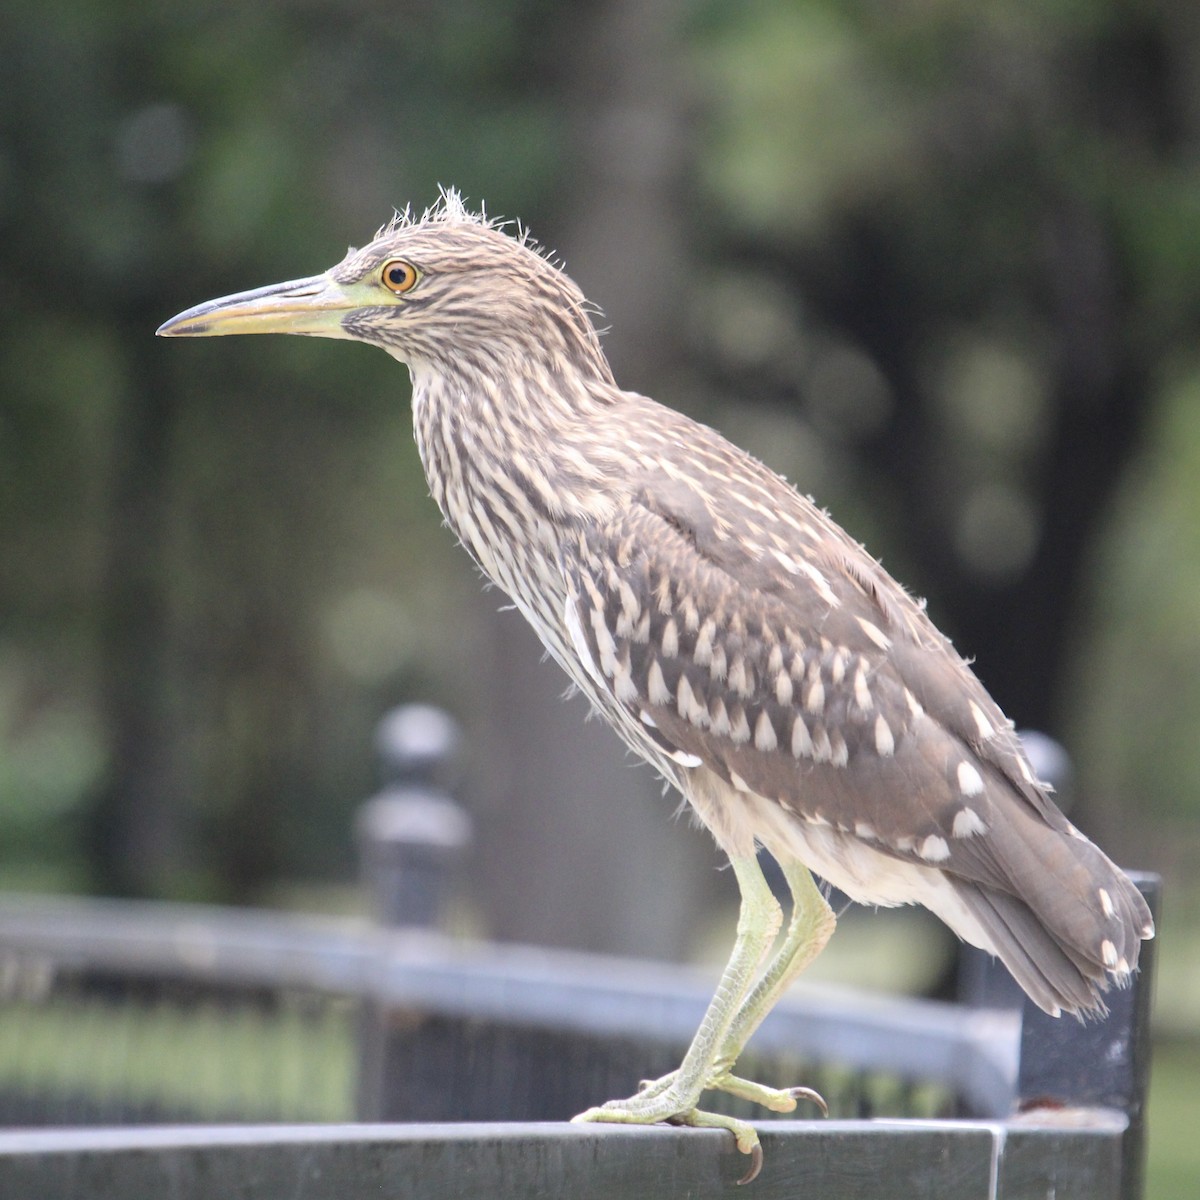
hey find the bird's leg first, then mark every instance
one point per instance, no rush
(674, 1098)
(809, 929)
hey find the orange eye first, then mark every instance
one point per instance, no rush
(399, 276)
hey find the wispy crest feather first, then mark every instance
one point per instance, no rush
(451, 208)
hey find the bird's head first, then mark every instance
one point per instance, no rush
(443, 289)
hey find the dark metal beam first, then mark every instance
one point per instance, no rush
(1075, 1156)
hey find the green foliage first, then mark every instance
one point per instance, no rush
(1140, 666)
(214, 1061)
(1173, 1159)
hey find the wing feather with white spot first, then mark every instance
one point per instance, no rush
(792, 689)
(808, 677)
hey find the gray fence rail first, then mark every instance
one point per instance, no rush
(209, 951)
(1075, 1156)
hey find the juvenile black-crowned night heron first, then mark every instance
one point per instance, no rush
(731, 633)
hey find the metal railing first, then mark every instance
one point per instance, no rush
(107, 997)
(124, 1015)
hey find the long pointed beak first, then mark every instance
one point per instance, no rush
(313, 306)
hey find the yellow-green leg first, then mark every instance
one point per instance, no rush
(809, 929)
(675, 1097)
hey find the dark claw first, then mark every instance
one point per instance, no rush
(803, 1093)
(756, 1161)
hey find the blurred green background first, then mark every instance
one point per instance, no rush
(938, 263)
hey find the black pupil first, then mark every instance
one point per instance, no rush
(398, 276)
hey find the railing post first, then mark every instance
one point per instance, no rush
(1099, 1063)
(411, 838)
(412, 834)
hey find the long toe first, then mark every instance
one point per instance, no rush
(646, 1108)
(781, 1100)
(744, 1134)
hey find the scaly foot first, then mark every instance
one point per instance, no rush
(658, 1100)
(733, 1014)
(666, 1106)
(780, 1100)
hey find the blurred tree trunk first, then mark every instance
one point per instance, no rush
(1026, 631)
